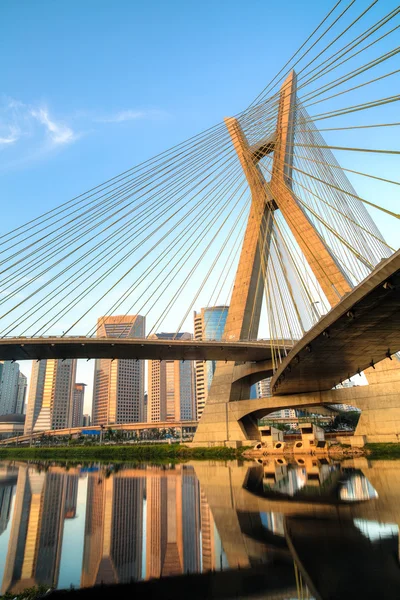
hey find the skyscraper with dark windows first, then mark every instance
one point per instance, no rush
(9, 387)
(77, 406)
(118, 390)
(21, 393)
(209, 324)
(171, 387)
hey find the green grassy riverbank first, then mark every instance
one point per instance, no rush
(122, 453)
(377, 451)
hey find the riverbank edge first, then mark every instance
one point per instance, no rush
(178, 452)
(382, 450)
(125, 453)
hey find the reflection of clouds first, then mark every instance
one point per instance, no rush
(375, 531)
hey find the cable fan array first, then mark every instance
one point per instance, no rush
(164, 238)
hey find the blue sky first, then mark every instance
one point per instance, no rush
(89, 89)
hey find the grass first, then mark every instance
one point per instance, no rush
(28, 594)
(122, 453)
(377, 451)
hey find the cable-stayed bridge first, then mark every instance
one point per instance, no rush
(256, 213)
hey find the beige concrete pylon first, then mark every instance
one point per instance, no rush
(216, 426)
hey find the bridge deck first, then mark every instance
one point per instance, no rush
(82, 347)
(363, 327)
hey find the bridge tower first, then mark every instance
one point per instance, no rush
(216, 426)
(219, 424)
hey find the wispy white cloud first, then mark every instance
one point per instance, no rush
(11, 137)
(30, 132)
(58, 132)
(131, 115)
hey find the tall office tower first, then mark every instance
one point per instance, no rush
(34, 548)
(77, 406)
(209, 324)
(9, 388)
(113, 529)
(21, 393)
(86, 420)
(118, 390)
(171, 395)
(51, 395)
(264, 388)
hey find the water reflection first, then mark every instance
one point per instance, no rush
(308, 479)
(101, 524)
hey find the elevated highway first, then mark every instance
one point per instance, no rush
(25, 348)
(360, 331)
(74, 431)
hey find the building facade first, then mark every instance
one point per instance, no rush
(9, 387)
(86, 422)
(77, 407)
(209, 324)
(118, 390)
(51, 395)
(171, 387)
(21, 393)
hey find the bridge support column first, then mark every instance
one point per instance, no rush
(380, 408)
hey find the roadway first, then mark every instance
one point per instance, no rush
(364, 328)
(25, 348)
(116, 427)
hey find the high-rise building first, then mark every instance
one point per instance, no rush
(263, 388)
(171, 393)
(77, 407)
(51, 394)
(86, 421)
(21, 393)
(209, 324)
(118, 391)
(9, 387)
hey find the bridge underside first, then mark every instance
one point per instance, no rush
(360, 330)
(141, 349)
(235, 423)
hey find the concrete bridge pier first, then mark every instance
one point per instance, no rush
(379, 403)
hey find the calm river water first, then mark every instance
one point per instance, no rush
(286, 530)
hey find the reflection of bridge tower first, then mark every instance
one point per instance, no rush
(113, 530)
(34, 549)
(218, 423)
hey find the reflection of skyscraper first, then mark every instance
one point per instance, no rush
(51, 395)
(207, 535)
(164, 552)
(118, 394)
(6, 494)
(171, 395)
(190, 522)
(209, 324)
(113, 530)
(71, 496)
(34, 549)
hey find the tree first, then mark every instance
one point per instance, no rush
(350, 419)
